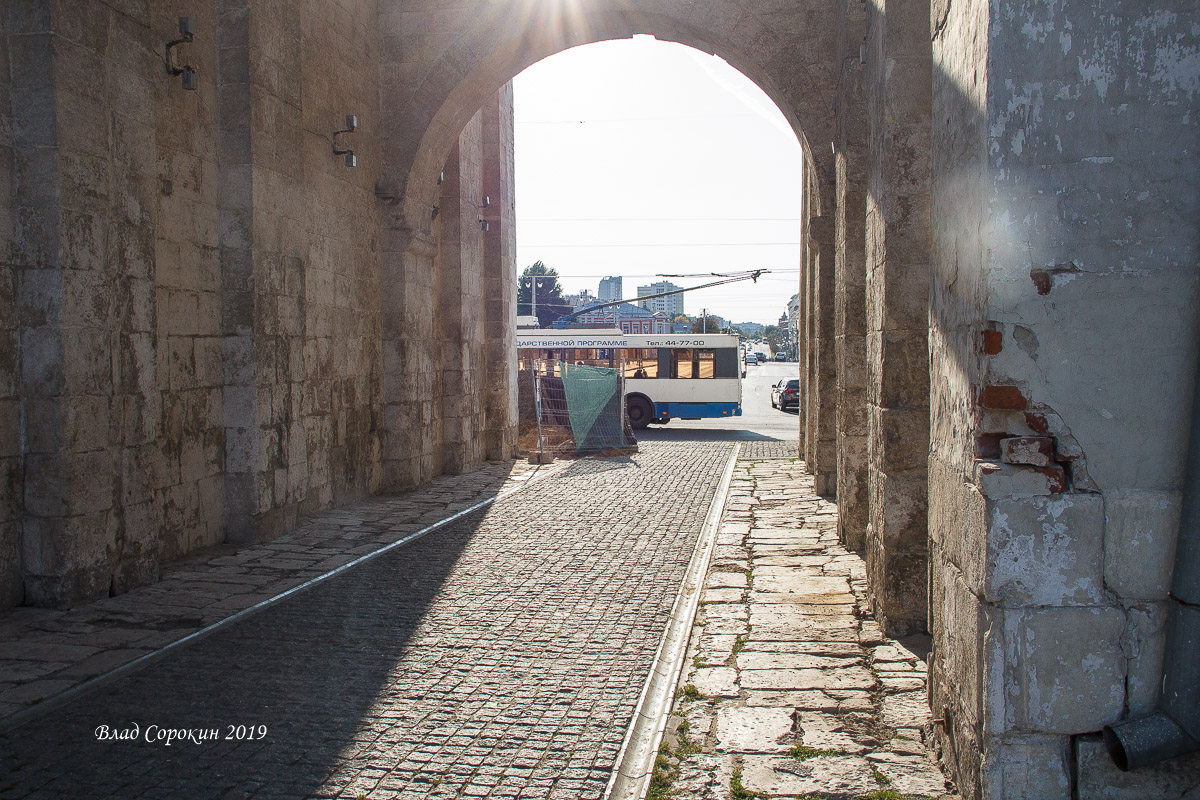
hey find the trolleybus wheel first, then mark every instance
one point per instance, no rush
(640, 412)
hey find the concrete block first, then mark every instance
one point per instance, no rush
(181, 360)
(1064, 669)
(958, 523)
(996, 480)
(10, 428)
(1046, 550)
(87, 361)
(1143, 643)
(60, 486)
(1139, 542)
(1027, 768)
(900, 439)
(41, 362)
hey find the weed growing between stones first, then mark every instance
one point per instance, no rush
(690, 692)
(739, 792)
(663, 775)
(802, 752)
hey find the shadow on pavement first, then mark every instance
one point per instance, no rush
(308, 670)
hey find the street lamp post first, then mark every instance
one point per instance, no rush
(534, 280)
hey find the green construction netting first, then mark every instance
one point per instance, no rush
(594, 406)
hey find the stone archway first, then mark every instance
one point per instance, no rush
(446, 89)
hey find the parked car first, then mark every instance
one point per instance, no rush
(781, 356)
(785, 393)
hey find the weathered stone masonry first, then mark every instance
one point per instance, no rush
(191, 300)
(209, 326)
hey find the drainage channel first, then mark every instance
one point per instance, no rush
(635, 762)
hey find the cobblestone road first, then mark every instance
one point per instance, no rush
(499, 656)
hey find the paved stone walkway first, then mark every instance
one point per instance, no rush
(44, 652)
(790, 689)
(499, 656)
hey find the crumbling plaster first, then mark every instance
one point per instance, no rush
(1068, 317)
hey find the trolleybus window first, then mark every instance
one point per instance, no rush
(691, 363)
(641, 363)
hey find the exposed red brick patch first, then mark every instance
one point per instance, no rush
(1037, 421)
(1037, 451)
(1057, 476)
(987, 445)
(1042, 281)
(993, 342)
(1009, 397)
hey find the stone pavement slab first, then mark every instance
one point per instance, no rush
(501, 655)
(809, 698)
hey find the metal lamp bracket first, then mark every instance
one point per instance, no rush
(351, 126)
(188, 72)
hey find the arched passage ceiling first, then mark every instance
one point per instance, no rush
(439, 66)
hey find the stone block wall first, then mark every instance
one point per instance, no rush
(458, 292)
(191, 296)
(499, 252)
(11, 483)
(182, 450)
(1063, 344)
(897, 301)
(850, 274)
(83, 99)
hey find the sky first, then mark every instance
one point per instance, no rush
(637, 157)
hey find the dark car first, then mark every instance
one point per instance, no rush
(786, 393)
(762, 357)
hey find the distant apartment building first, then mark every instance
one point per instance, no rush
(581, 300)
(750, 328)
(672, 304)
(610, 289)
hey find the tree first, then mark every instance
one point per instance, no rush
(776, 337)
(550, 304)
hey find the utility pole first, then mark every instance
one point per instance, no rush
(533, 284)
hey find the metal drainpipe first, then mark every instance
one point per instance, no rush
(1173, 729)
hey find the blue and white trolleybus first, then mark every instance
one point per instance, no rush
(667, 376)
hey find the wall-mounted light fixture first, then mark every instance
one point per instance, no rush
(188, 73)
(351, 126)
(483, 225)
(487, 201)
(435, 213)
(441, 177)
